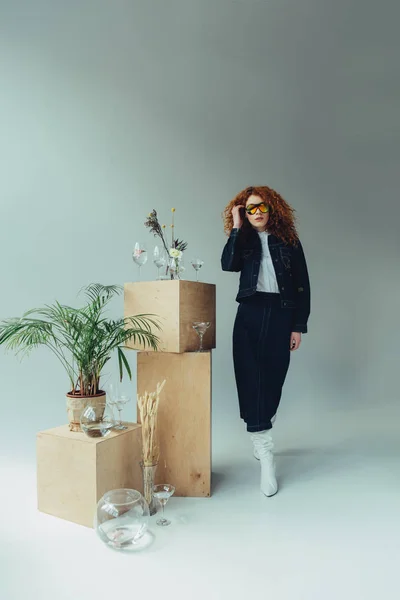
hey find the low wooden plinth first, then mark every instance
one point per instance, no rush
(74, 471)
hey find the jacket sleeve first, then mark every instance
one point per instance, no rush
(301, 283)
(231, 259)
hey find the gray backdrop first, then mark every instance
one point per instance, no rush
(110, 109)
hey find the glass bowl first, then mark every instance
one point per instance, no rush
(97, 419)
(122, 518)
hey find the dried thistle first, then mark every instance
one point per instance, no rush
(156, 229)
(153, 224)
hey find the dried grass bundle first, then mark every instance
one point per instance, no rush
(148, 408)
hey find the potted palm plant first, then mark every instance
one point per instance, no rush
(82, 339)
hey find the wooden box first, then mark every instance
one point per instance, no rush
(176, 304)
(184, 417)
(74, 471)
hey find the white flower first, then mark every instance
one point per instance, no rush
(174, 253)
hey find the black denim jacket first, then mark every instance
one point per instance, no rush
(242, 253)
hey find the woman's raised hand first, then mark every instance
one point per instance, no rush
(237, 216)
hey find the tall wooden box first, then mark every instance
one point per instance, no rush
(74, 471)
(184, 417)
(176, 304)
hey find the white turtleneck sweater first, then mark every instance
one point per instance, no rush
(266, 279)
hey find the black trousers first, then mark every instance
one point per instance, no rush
(261, 356)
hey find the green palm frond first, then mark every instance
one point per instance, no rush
(25, 333)
(122, 362)
(81, 338)
(96, 292)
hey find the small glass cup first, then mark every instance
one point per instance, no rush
(163, 493)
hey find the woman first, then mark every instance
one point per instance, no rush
(274, 306)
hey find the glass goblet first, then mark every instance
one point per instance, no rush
(163, 493)
(197, 263)
(201, 327)
(117, 397)
(112, 394)
(159, 259)
(139, 255)
(120, 402)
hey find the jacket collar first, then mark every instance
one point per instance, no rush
(273, 240)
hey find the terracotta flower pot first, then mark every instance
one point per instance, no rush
(77, 404)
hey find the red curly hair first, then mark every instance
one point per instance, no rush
(281, 220)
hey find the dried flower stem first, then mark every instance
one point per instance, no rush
(148, 408)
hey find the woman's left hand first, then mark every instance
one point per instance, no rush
(295, 340)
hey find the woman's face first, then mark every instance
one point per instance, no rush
(259, 219)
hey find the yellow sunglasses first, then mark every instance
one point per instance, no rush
(251, 209)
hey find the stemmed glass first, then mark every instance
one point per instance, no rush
(159, 259)
(163, 493)
(118, 399)
(139, 255)
(201, 327)
(197, 263)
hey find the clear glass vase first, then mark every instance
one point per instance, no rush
(173, 273)
(149, 473)
(176, 268)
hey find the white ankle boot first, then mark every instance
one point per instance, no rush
(255, 449)
(263, 446)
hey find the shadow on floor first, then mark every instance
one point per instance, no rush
(299, 464)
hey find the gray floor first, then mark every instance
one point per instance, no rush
(331, 532)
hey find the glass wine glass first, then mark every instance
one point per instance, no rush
(163, 493)
(120, 403)
(118, 398)
(159, 259)
(197, 263)
(201, 327)
(139, 255)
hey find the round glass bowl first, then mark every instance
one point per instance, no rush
(97, 419)
(122, 518)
